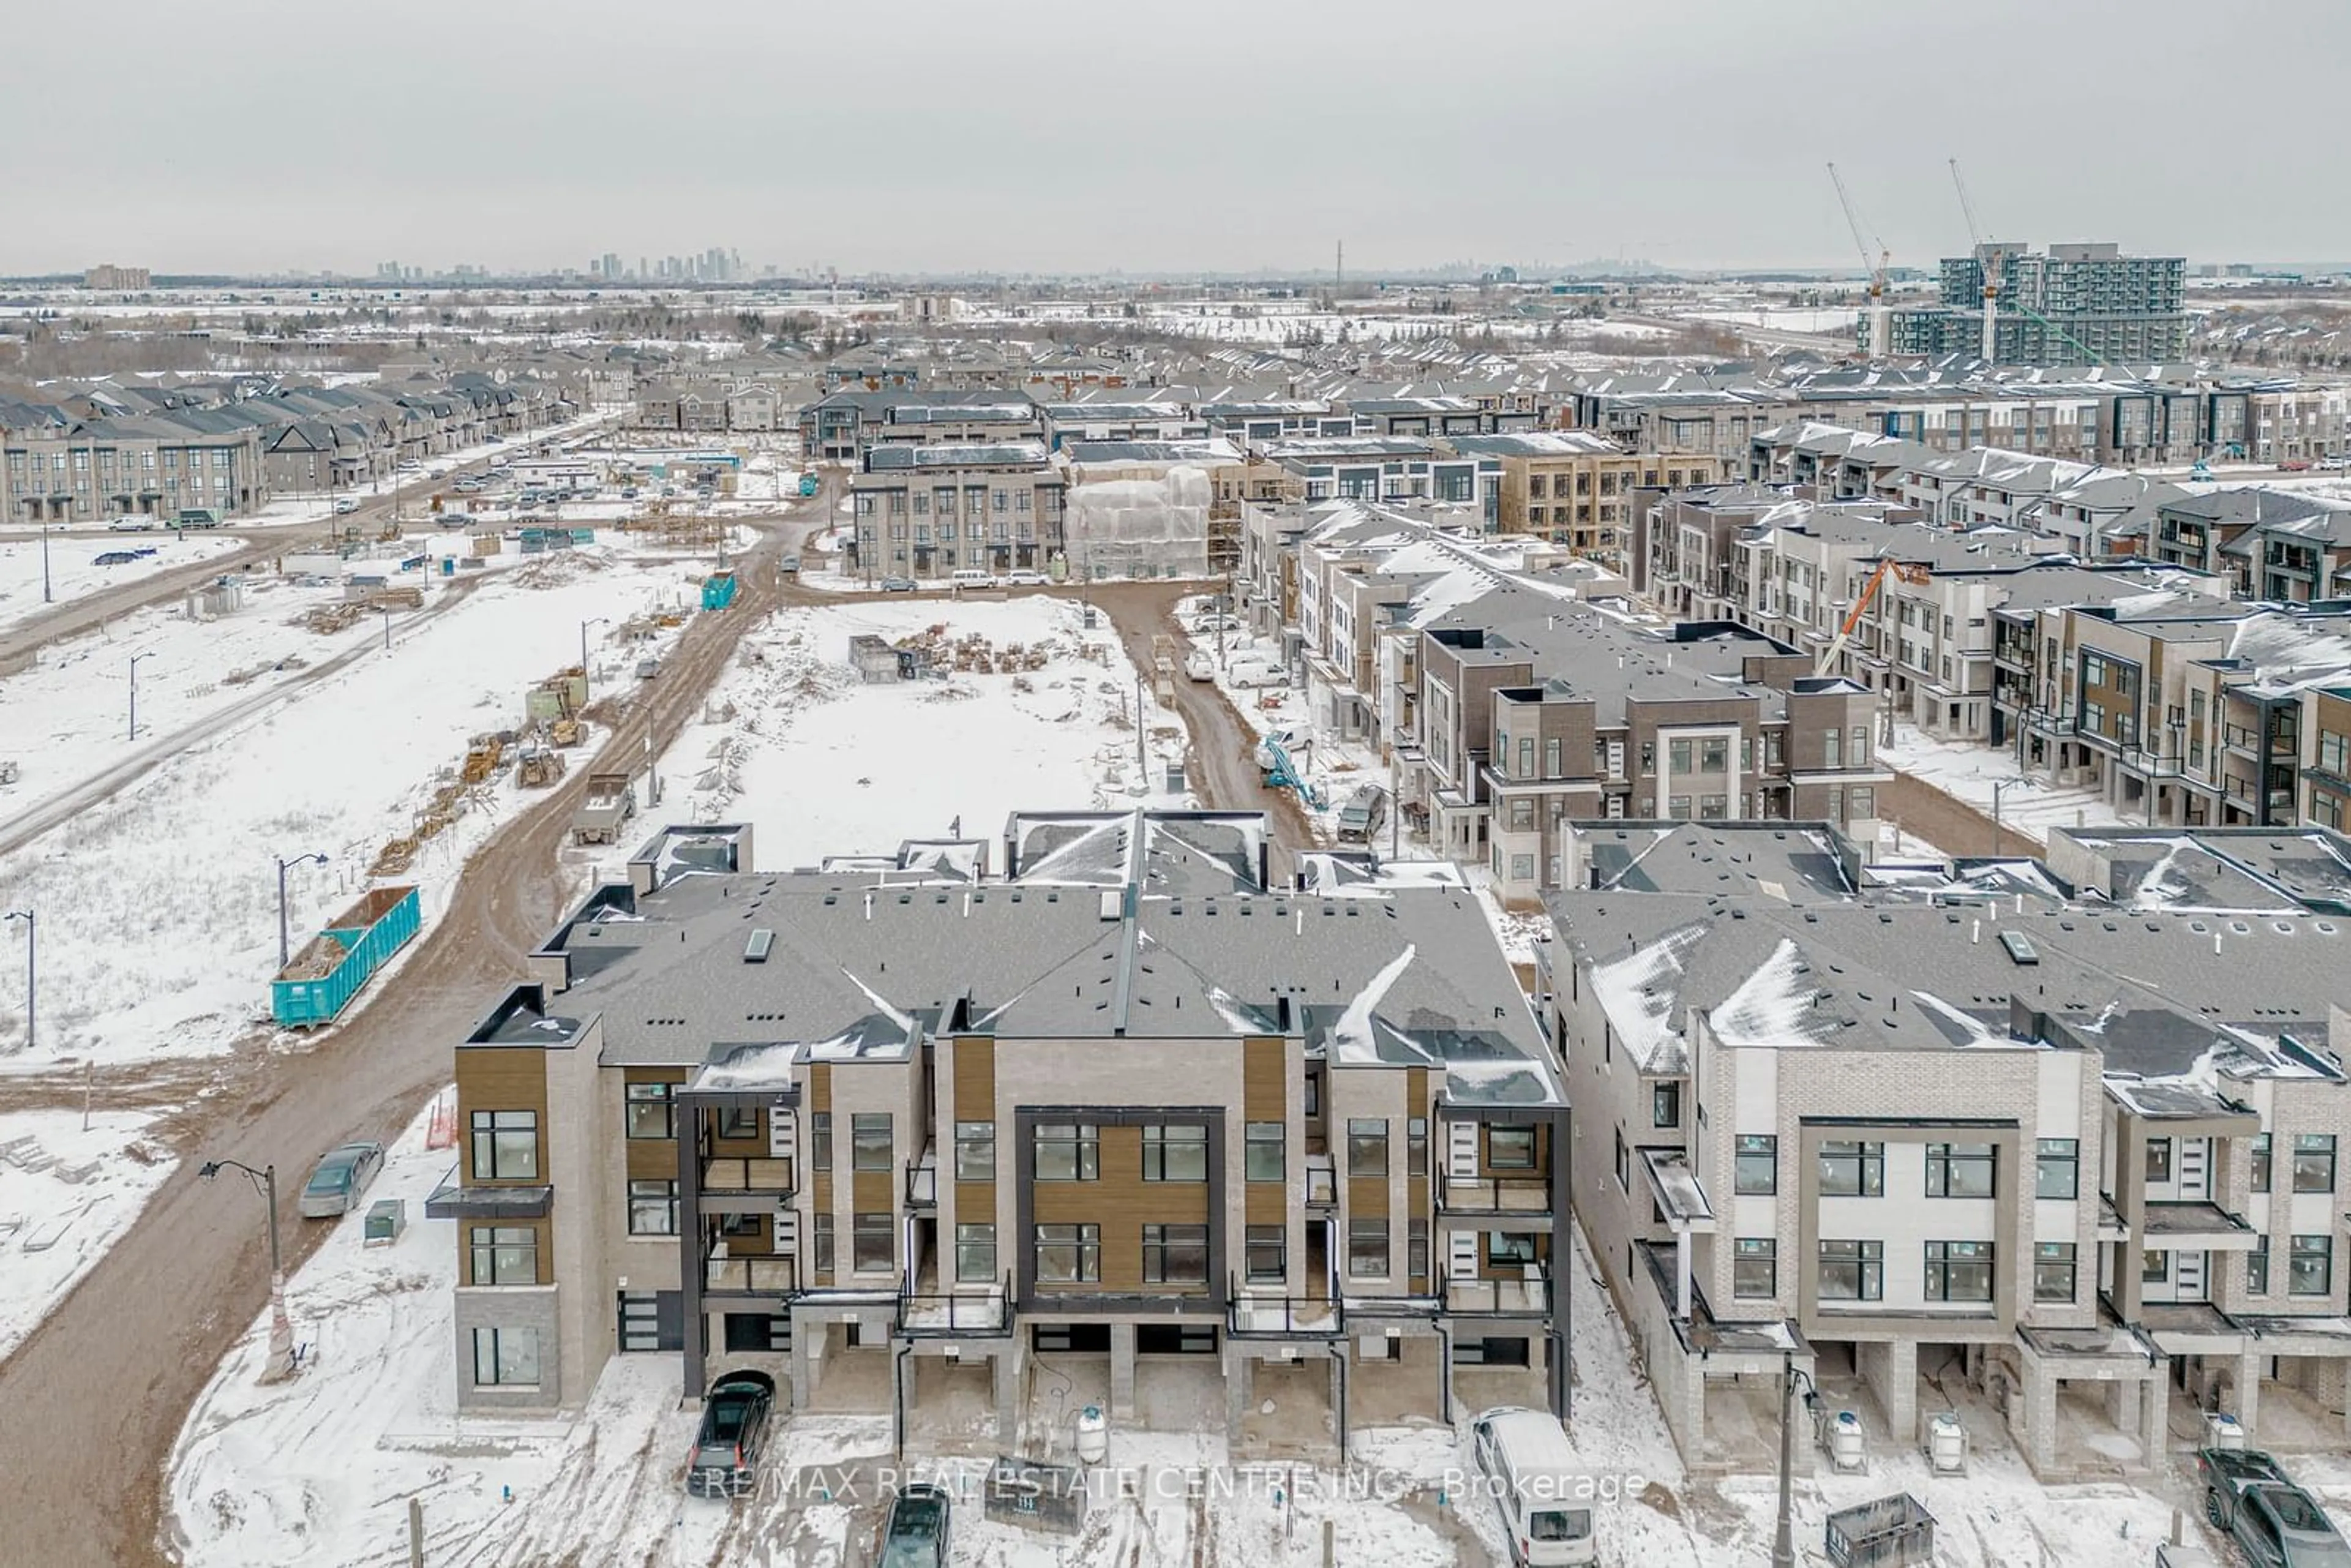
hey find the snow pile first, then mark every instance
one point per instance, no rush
(64, 1196)
(1639, 991)
(1351, 1037)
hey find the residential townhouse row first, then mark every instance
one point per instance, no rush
(2056, 1147)
(926, 1135)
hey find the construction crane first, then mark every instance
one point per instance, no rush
(1878, 313)
(1826, 663)
(1989, 260)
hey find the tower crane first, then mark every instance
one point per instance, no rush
(1988, 260)
(1878, 314)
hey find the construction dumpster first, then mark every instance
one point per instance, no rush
(332, 966)
(718, 591)
(1891, 1532)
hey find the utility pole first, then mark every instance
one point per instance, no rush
(285, 935)
(134, 692)
(46, 596)
(281, 1327)
(1783, 1537)
(32, 973)
(1142, 755)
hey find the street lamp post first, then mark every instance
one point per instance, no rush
(285, 935)
(1997, 790)
(1783, 1537)
(385, 611)
(46, 597)
(281, 1327)
(32, 973)
(134, 692)
(598, 620)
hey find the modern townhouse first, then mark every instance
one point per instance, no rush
(2274, 544)
(931, 510)
(154, 466)
(916, 1137)
(2326, 757)
(1575, 488)
(842, 425)
(2105, 513)
(1945, 1143)
(1271, 421)
(1395, 469)
(1108, 421)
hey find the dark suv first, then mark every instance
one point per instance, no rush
(918, 1533)
(734, 1428)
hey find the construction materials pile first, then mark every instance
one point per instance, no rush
(973, 654)
(316, 960)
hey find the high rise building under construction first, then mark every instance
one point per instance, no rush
(2071, 305)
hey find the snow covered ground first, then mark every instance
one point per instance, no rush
(822, 765)
(64, 1195)
(74, 574)
(158, 911)
(1968, 769)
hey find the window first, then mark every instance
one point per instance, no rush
(820, 1140)
(1367, 1146)
(1853, 1271)
(651, 1113)
(2258, 1156)
(1068, 1151)
(820, 1253)
(2159, 1160)
(873, 1244)
(1175, 1254)
(1713, 807)
(1858, 751)
(505, 1145)
(2310, 1266)
(504, 1255)
(505, 1358)
(653, 1207)
(1958, 1271)
(975, 1253)
(1416, 1249)
(1853, 1170)
(739, 1121)
(975, 1151)
(2314, 1162)
(2334, 753)
(1678, 756)
(2257, 1268)
(1960, 1170)
(1263, 1150)
(1509, 1248)
(1757, 1165)
(1177, 1152)
(1367, 1249)
(1714, 755)
(1832, 752)
(1624, 1163)
(1511, 1148)
(2057, 1169)
(1755, 1268)
(1265, 1254)
(1415, 1147)
(1666, 1105)
(869, 1141)
(1069, 1254)
(2052, 1271)
(1551, 757)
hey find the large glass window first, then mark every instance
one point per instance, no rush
(1666, 1105)
(1069, 1254)
(1175, 1254)
(1755, 1268)
(1367, 1249)
(1509, 1249)
(1176, 1152)
(2054, 1270)
(2258, 1156)
(975, 1253)
(1265, 1144)
(873, 1242)
(2314, 1162)
(1960, 1170)
(2057, 1168)
(975, 1151)
(2311, 1265)
(1853, 1169)
(1068, 1151)
(1415, 1147)
(1958, 1271)
(505, 1145)
(869, 1141)
(1267, 1248)
(1853, 1271)
(820, 1140)
(651, 1112)
(1367, 1146)
(2158, 1161)
(2257, 1268)
(505, 1358)
(1511, 1148)
(653, 1207)
(504, 1255)
(1757, 1164)
(821, 1243)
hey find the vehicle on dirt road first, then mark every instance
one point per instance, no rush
(735, 1419)
(339, 1179)
(2276, 1525)
(899, 585)
(920, 1531)
(1200, 666)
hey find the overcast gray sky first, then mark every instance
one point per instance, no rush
(912, 135)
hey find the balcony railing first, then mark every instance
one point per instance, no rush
(923, 1181)
(1322, 1182)
(958, 1314)
(730, 1173)
(1282, 1317)
(1529, 1194)
(750, 1276)
(1526, 1296)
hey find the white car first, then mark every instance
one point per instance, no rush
(1025, 580)
(1200, 667)
(134, 524)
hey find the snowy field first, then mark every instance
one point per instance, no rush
(1968, 769)
(822, 765)
(157, 905)
(64, 1196)
(73, 572)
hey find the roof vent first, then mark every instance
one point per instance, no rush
(2019, 946)
(1111, 901)
(755, 951)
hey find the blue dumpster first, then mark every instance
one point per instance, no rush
(330, 969)
(718, 591)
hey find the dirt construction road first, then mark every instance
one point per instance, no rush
(92, 1402)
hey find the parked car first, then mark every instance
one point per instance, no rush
(1255, 670)
(735, 1419)
(339, 1179)
(136, 523)
(2274, 1524)
(971, 577)
(1212, 624)
(345, 506)
(1536, 1478)
(648, 668)
(920, 1529)
(1362, 814)
(1026, 578)
(1200, 666)
(898, 585)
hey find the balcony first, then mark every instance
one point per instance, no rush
(1282, 1317)
(956, 1314)
(1528, 1194)
(923, 1180)
(1528, 1296)
(2195, 1227)
(1322, 1182)
(733, 1174)
(454, 1200)
(761, 1276)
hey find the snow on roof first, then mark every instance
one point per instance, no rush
(1638, 992)
(1772, 1007)
(1351, 1037)
(749, 1067)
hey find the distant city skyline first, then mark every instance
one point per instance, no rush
(1231, 139)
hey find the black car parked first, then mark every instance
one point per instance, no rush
(917, 1535)
(735, 1419)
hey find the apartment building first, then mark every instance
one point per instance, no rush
(154, 465)
(843, 426)
(2326, 757)
(2278, 545)
(899, 1128)
(1574, 487)
(2072, 304)
(930, 509)
(1942, 1139)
